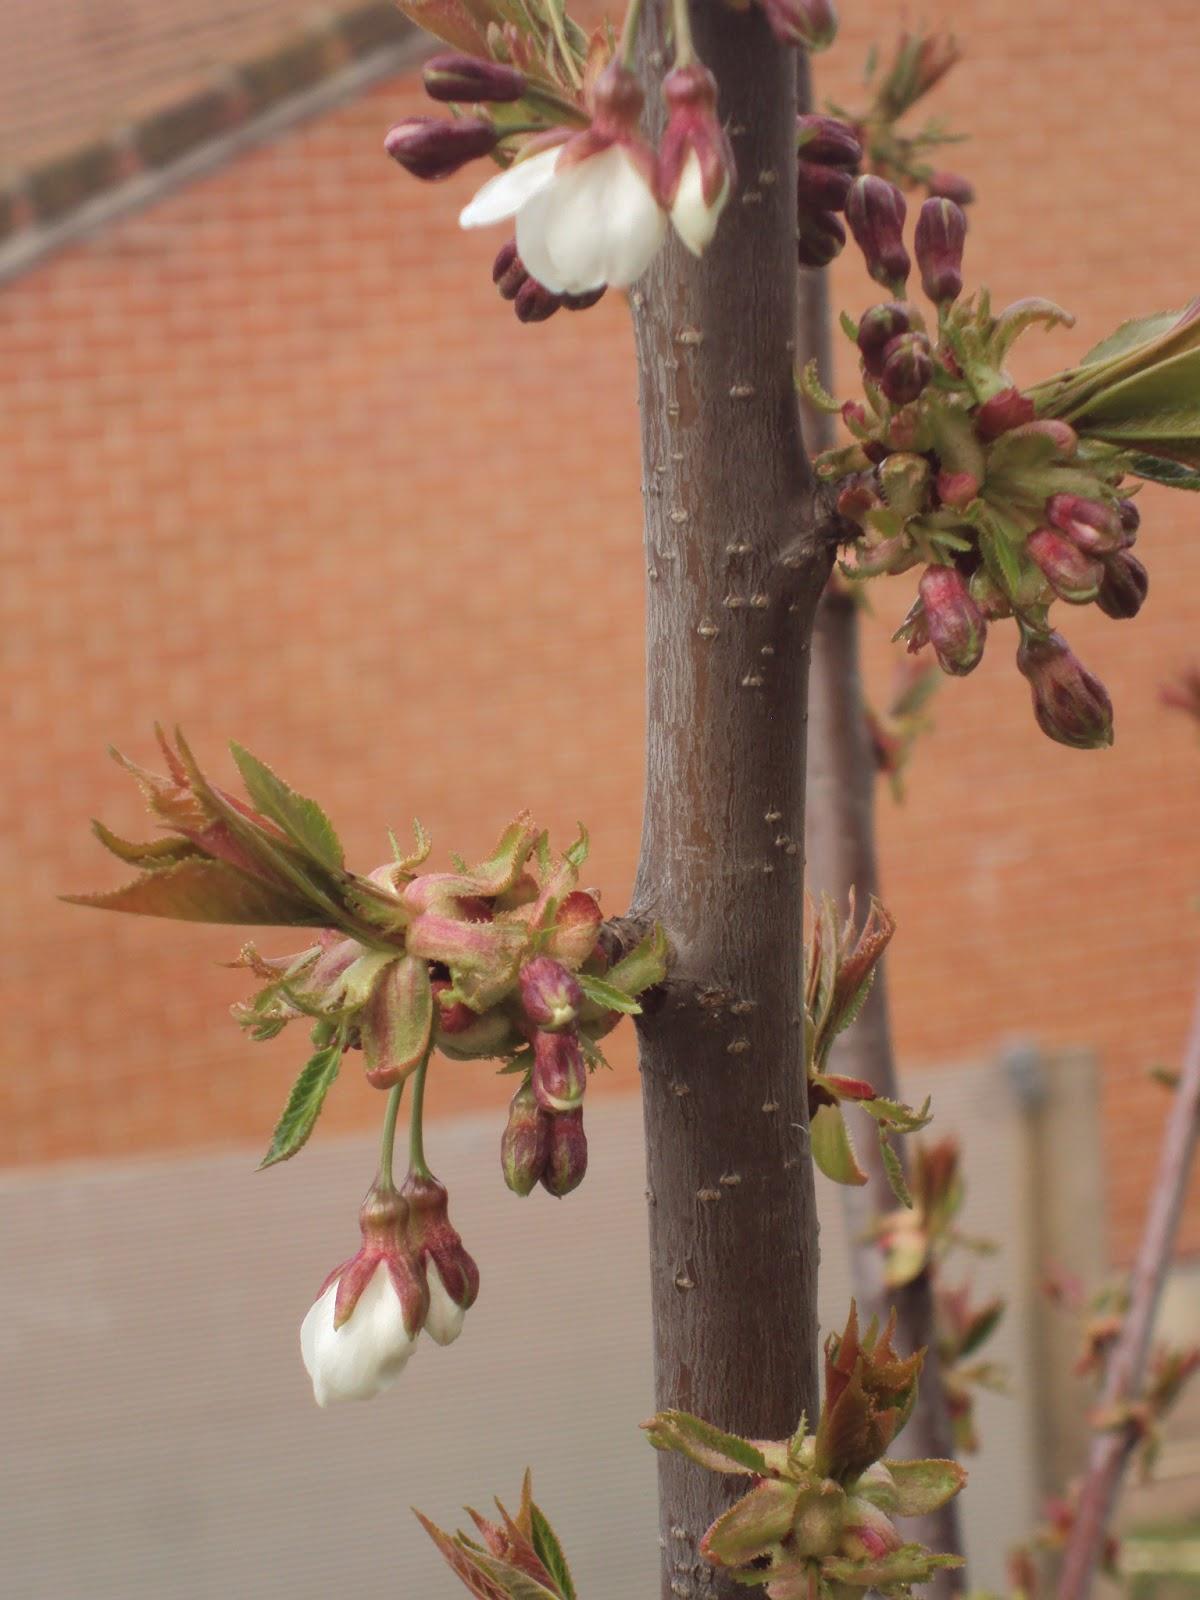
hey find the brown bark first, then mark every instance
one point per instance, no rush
(728, 492)
(1125, 1372)
(842, 850)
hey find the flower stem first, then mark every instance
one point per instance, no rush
(387, 1143)
(685, 49)
(629, 30)
(416, 1123)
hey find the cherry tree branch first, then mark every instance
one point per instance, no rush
(1126, 1367)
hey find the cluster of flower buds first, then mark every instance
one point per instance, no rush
(411, 1273)
(592, 200)
(919, 63)
(501, 960)
(518, 1557)
(827, 160)
(819, 1517)
(1008, 501)
(840, 961)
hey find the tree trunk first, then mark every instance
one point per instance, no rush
(728, 492)
(842, 851)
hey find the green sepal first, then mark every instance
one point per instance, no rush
(918, 1487)
(705, 1445)
(754, 1526)
(891, 1574)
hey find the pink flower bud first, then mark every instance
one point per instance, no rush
(907, 368)
(566, 1160)
(957, 489)
(695, 159)
(456, 1017)
(1094, 527)
(431, 148)
(821, 188)
(820, 238)
(876, 330)
(827, 141)
(1124, 586)
(809, 23)
(1074, 576)
(938, 242)
(451, 1275)
(1004, 411)
(956, 626)
(559, 1071)
(576, 928)
(525, 1143)
(550, 994)
(868, 1534)
(1070, 704)
(875, 210)
(457, 77)
(950, 186)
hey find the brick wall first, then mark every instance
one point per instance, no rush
(280, 466)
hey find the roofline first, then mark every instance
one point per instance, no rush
(30, 244)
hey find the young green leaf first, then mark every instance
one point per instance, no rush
(704, 1444)
(304, 1104)
(550, 1552)
(198, 889)
(301, 819)
(607, 994)
(831, 1147)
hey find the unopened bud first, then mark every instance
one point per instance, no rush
(876, 330)
(1004, 411)
(559, 1071)
(938, 242)
(956, 626)
(875, 210)
(508, 271)
(957, 489)
(821, 188)
(868, 1534)
(1071, 705)
(550, 994)
(1131, 519)
(431, 148)
(534, 302)
(452, 1278)
(820, 239)
(1093, 526)
(1124, 586)
(950, 186)
(1074, 576)
(857, 498)
(584, 302)
(828, 142)
(907, 368)
(696, 169)
(566, 1160)
(809, 23)
(988, 595)
(525, 1143)
(469, 79)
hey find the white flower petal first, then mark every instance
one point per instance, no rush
(597, 223)
(444, 1320)
(367, 1353)
(693, 219)
(503, 196)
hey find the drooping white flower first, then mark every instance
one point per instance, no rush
(451, 1276)
(363, 1326)
(587, 210)
(368, 1352)
(696, 164)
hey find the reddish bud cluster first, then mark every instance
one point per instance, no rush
(828, 155)
(532, 301)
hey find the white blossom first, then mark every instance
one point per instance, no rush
(367, 1353)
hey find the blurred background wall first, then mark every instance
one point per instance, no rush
(278, 465)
